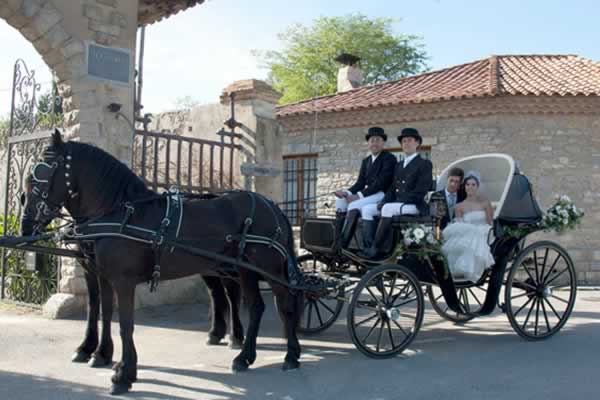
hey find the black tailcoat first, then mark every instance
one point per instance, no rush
(375, 176)
(411, 184)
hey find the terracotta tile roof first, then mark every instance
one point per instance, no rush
(552, 75)
(151, 11)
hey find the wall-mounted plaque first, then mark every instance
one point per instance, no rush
(110, 63)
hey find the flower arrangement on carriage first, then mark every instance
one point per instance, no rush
(560, 218)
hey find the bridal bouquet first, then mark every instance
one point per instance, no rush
(419, 235)
(562, 216)
(420, 240)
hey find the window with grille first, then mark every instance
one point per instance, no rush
(299, 186)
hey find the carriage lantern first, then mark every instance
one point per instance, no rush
(437, 210)
(34, 261)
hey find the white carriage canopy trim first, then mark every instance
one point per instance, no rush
(501, 182)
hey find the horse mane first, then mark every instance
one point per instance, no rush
(108, 181)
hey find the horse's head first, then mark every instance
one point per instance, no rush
(47, 187)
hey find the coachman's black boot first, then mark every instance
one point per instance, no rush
(349, 228)
(368, 233)
(384, 229)
(340, 220)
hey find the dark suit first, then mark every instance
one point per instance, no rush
(460, 196)
(375, 176)
(411, 184)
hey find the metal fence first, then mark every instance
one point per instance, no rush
(195, 165)
(35, 279)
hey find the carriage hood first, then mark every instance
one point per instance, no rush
(503, 184)
(520, 206)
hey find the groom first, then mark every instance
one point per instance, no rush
(453, 194)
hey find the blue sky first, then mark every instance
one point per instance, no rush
(199, 52)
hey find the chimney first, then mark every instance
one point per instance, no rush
(349, 75)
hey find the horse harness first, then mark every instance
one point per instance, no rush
(166, 234)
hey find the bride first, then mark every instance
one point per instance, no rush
(465, 240)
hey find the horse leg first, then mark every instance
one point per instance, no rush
(126, 370)
(289, 306)
(86, 348)
(218, 301)
(104, 352)
(256, 308)
(236, 335)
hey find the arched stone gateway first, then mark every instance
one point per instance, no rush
(61, 32)
(90, 46)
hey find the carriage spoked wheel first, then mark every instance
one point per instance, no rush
(471, 297)
(540, 290)
(386, 311)
(321, 310)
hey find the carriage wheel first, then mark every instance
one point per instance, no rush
(386, 311)
(540, 290)
(470, 297)
(320, 310)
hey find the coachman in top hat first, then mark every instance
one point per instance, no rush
(374, 179)
(406, 196)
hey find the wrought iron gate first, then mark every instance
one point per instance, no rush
(25, 277)
(164, 160)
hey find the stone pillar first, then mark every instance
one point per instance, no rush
(61, 31)
(255, 102)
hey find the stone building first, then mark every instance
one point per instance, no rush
(544, 110)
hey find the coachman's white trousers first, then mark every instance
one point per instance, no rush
(389, 210)
(343, 206)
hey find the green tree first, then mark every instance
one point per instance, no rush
(306, 66)
(4, 125)
(49, 111)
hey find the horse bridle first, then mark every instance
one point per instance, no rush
(41, 187)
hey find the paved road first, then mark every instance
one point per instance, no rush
(484, 359)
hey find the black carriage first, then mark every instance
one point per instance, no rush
(534, 284)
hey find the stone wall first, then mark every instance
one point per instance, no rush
(254, 111)
(560, 155)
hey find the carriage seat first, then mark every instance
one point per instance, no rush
(411, 219)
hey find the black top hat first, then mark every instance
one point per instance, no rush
(347, 59)
(376, 131)
(410, 132)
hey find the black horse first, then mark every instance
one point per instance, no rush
(94, 186)
(225, 302)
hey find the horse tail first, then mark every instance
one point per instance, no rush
(297, 306)
(292, 263)
(293, 272)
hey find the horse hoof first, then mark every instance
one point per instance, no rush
(97, 361)
(80, 357)
(235, 343)
(290, 365)
(239, 366)
(213, 341)
(119, 388)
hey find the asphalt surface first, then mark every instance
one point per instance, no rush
(483, 359)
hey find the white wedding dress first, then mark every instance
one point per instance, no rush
(466, 248)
